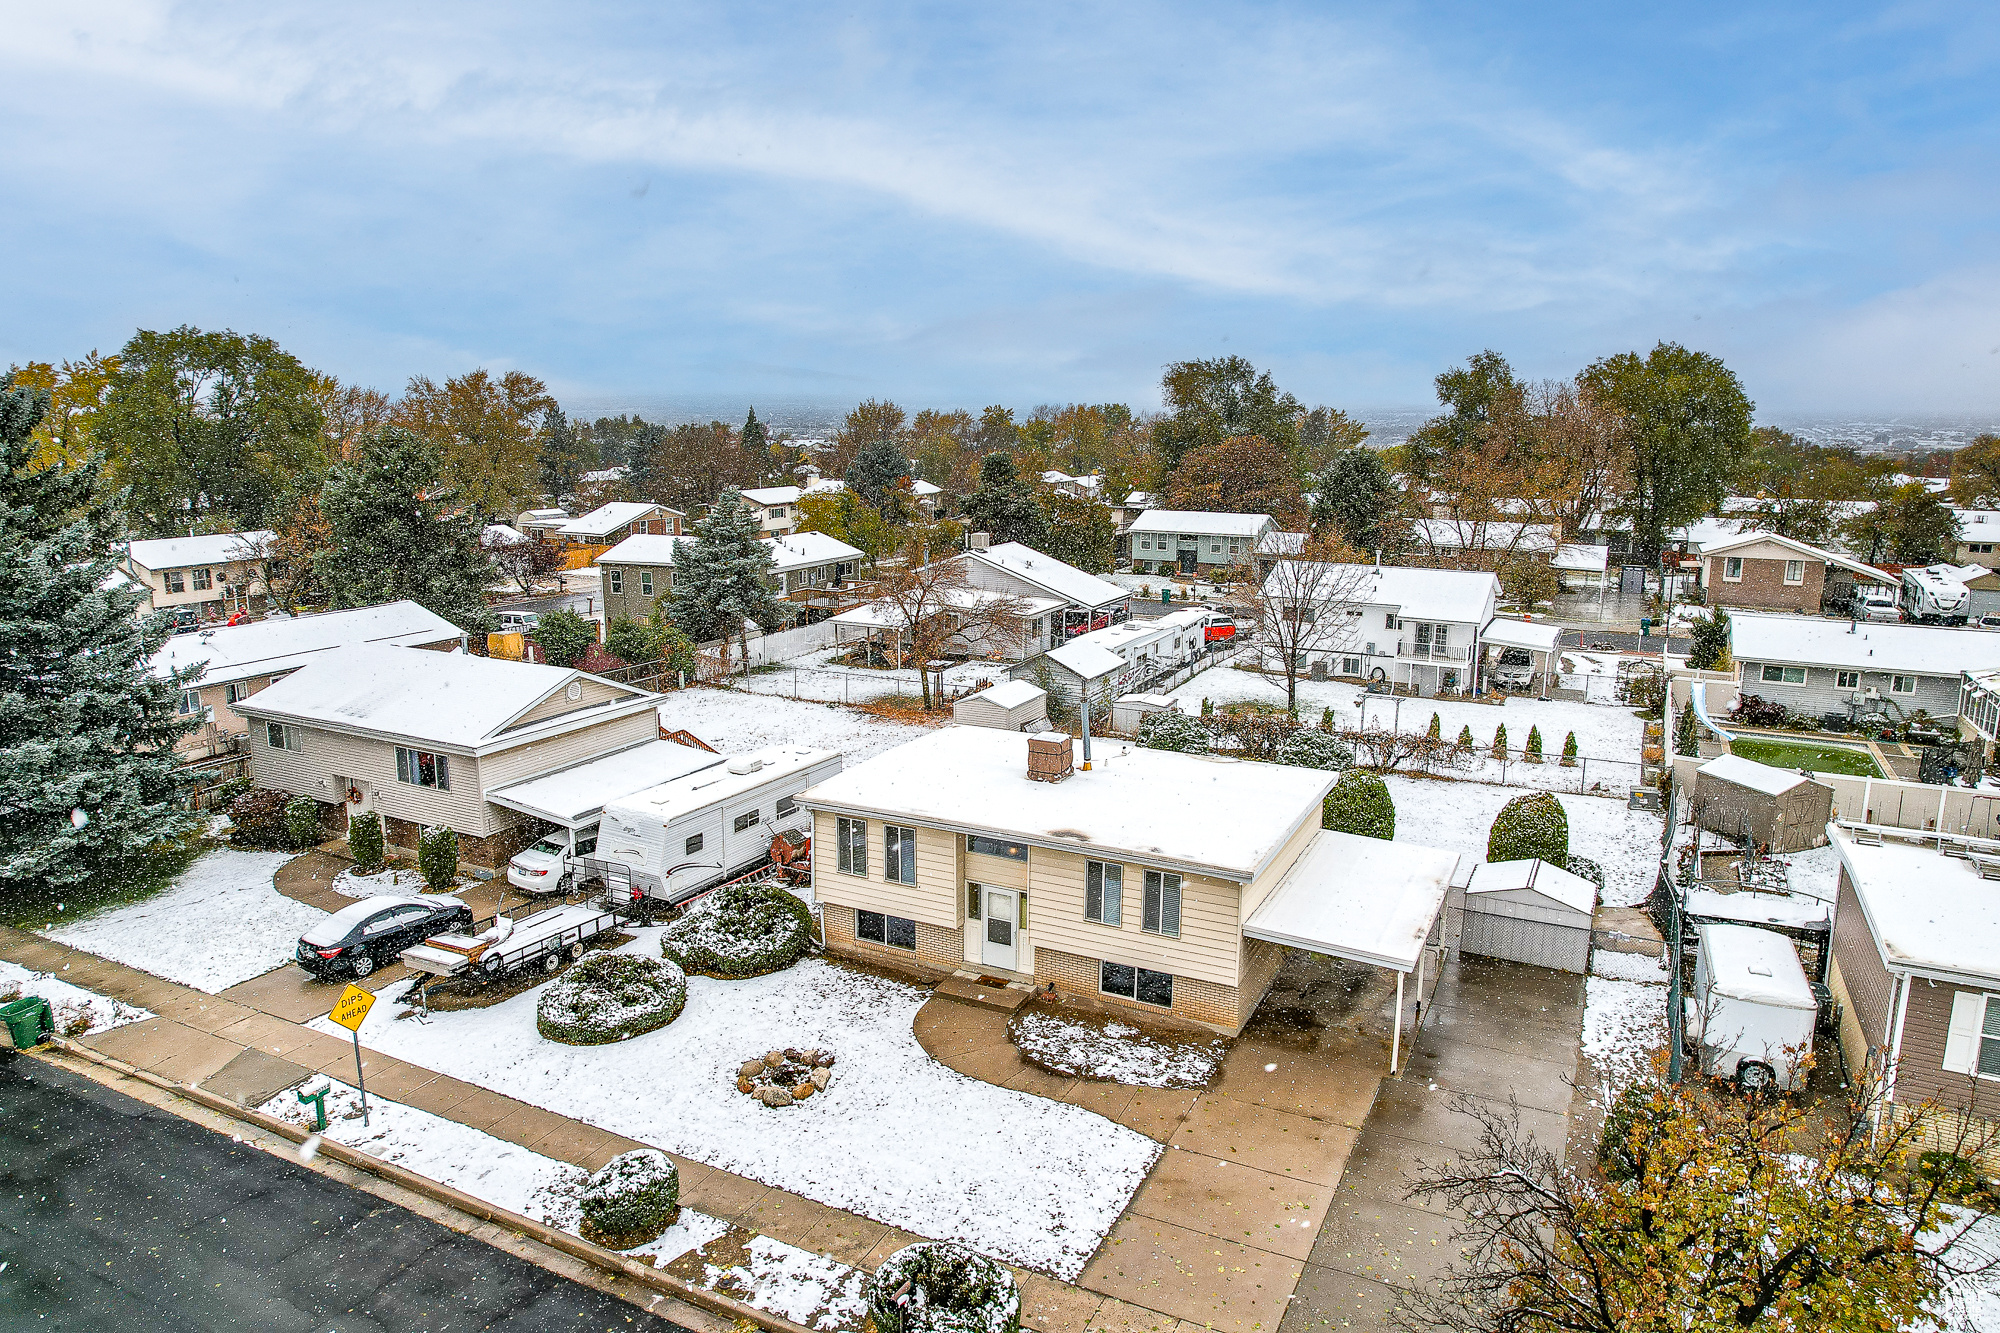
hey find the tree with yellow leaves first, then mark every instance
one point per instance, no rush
(485, 428)
(76, 390)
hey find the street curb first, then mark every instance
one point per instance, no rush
(562, 1241)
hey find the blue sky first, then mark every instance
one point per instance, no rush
(956, 204)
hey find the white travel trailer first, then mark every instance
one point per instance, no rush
(1753, 1011)
(683, 836)
(1936, 595)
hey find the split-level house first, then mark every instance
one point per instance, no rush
(1087, 602)
(428, 738)
(776, 508)
(1857, 671)
(1196, 542)
(211, 577)
(1165, 883)
(639, 571)
(607, 525)
(1916, 976)
(1765, 571)
(1978, 537)
(1418, 628)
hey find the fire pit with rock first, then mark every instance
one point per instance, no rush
(787, 1077)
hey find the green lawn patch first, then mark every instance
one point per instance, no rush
(1817, 758)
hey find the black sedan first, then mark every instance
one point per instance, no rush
(359, 938)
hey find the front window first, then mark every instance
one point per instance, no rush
(175, 583)
(202, 580)
(1847, 680)
(420, 768)
(1013, 851)
(1163, 904)
(1902, 684)
(1784, 675)
(774, 513)
(1215, 546)
(1136, 983)
(1732, 567)
(880, 928)
(614, 580)
(899, 854)
(1795, 571)
(850, 837)
(1104, 892)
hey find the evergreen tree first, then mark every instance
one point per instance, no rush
(1077, 531)
(1710, 649)
(397, 532)
(1464, 741)
(563, 453)
(756, 439)
(877, 472)
(721, 577)
(86, 732)
(1356, 496)
(565, 637)
(1436, 731)
(1004, 505)
(1500, 742)
(1532, 751)
(1569, 751)
(1685, 735)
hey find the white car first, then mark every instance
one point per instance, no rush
(539, 869)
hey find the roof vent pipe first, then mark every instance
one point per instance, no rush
(1378, 560)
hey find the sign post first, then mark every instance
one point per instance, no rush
(348, 1011)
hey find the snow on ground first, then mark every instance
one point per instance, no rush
(222, 921)
(733, 721)
(1624, 1022)
(1118, 1052)
(814, 676)
(354, 884)
(72, 1004)
(1972, 1305)
(1457, 816)
(1627, 966)
(897, 1137)
(795, 1284)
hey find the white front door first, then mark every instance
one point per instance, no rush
(999, 950)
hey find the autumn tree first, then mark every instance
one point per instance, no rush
(870, 422)
(1908, 524)
(77, 390)
(1468, 394)
(1325, 434)
(688, 466)
(945, 448)
(1580, 443)
(1302, 608)
(484, 429)
(1243, 474)
(302, 538)
(839, 515)
(1215, 400)
(996, 432)
(1975, 473)
(932, 607)
(349, 414)
(528, 563)
(1077, 531)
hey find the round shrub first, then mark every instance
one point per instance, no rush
(609, 997)
(1171, 729)
(1360, 803)
(1308, 748)
(364, 842)
(301, 821)
(1585, 868)
(259, 817)
(630, 1200)
(1530, 826)
(743, 930)
(944, 1288)
(437, 857)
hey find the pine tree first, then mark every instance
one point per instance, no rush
(88, 776)
(1437, 728)
(1464, 741)
(1710, 648)
(1569, 751)
(874, 474)
(756, 440)
(1532, 752)
(397, 532)
(721, 577)
(562, 454)
(1500, 742)
(1685, 734)
(1004, 506)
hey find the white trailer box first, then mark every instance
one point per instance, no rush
(682, 836)
(1752, 1010)
(1935, 594)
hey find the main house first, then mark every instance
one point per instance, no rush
(1165, 883)
(241, 660)
(639, 571)
(1417, 628)
(1191, 541)
(1859, 672)
(1916, 972)
(209, 577)
(1768, 572)
(428, 738)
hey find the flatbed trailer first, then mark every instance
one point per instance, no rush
(489, 950)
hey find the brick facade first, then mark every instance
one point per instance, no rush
(1763, 585)
(1261, 961)
(491, 852)
(1204, 1002)
(939, 952)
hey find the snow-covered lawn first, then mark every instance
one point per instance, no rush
(353, 884)
(222, 921)
(815, 676)
(1624, 1022)
(71, 1004)
(1457, 816)
(897, 1137)
(733, 721)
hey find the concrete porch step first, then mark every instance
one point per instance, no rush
(970, 990)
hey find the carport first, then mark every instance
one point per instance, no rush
(1363, 899)
(1537, 639)
(574, 797)
(1529, 912)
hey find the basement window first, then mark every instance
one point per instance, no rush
(1136, 983)
(896, 932)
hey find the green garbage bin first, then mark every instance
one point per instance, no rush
(1166, 596)
(1645, 626)
(29, 1019)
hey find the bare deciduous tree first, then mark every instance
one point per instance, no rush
(1309, 606)
(932, 606)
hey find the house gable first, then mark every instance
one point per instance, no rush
(593, 693)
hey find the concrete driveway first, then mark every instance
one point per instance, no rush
(1492, 1031)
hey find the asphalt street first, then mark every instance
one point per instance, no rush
(115, 1215)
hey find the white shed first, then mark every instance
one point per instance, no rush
(1529, 912)
(1129, 710)
(1012, 705)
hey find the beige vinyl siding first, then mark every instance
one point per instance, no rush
(1210, 943)
(932, 899)
(525, 761)
(325, 755)
(1000, 871)
(1858, 979)
(595, 694)
(1260, 888)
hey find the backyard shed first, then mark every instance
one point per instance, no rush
(1776, 808)
(1529, 912)
(1012, 705)
(1129, 710)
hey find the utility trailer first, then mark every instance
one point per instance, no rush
(496, 946)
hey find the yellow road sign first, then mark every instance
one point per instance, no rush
(352, 1006)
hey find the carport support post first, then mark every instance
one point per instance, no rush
(358, 1082)
(1395, 1038)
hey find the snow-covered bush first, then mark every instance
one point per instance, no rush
(1171, 729)
(630, 1200)
(437, 856)
(1585, 868)
(1107, 1050)
(1530, 826)
(939, 1287)
(1311, 748)
(1360, 803)
(301, 821)
(259, 817)
(364, 842)
(744, 930)
(609, 997)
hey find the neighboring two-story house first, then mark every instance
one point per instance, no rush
(426, 738)
(1767, 572)
(1978, 536)
(639, 571)
(1857, 671)
(942, 855)
(1419, 628)
(211, 577)
(1194, 542)
(241, 660)
(607, 525)
(1916, 974)
(776, 508)
(1087, 602)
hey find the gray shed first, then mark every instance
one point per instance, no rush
(1129, 710)
(1776, 808)
(1012, 705)
(1529, 912)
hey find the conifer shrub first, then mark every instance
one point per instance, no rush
(743, 930)
(1464, 741)
(939, 1287)
(1531, 753)
(1500, 742)
(1569, 751)
(631, 1200)
(1530, 826)
(1360, 804)
(1171, 729)
(437, 857)
(365, 842)
(1436, 731)
(301, 821)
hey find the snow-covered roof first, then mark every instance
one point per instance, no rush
(1454, 534)
(1533, 874)
(1462, 596)
(704, 787)
(1581, 558)
(887, 613)
(1201, 522)
(1758, 966)
(1134, 803)
(643, 548)
(801, 549)
(1086, 660)
(1141, 500)
(1281, 543)
(1012, 693)
(241, 652)
(606, 474)
(449, 700)
(1804, 550)
(1749, 773)
(1540, 636)
(502, 534)
(1927, 911)
(1797, 910)
(577, 795)
(923, 489)
(1922, 649)
(773, 495)
(1365, 899)
(1065, 581)
(192, 552)
(608, 518)
(545, 515)
(1127, 633)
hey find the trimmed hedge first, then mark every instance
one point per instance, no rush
(1586, 868)
(950, 1289)
(1307, 748)
(437, 857)
(630, 1200)
(1171, 729)
(301, 821)
(259, 817)
(365, 843)
(1530, 826)
(743, 930)
(1360, 803)
(610, 997)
